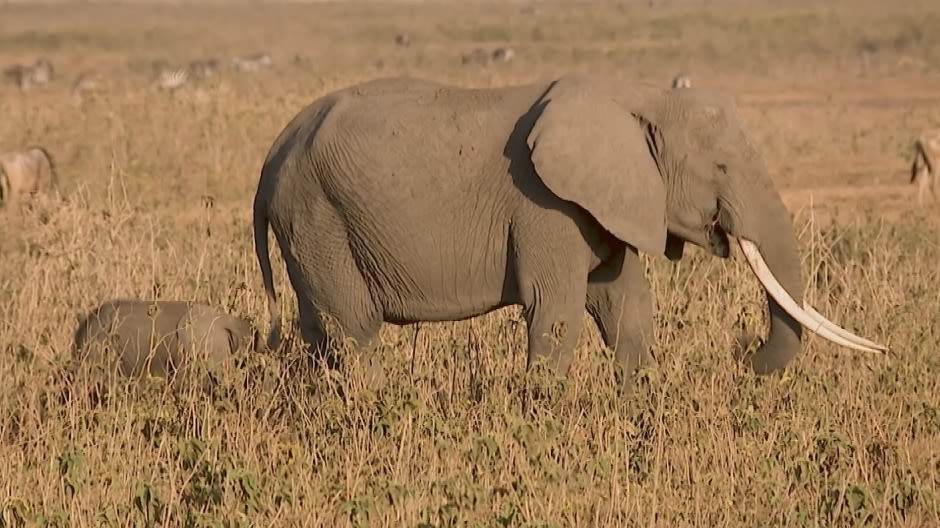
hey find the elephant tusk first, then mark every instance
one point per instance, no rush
(841, 331)
(821, 326)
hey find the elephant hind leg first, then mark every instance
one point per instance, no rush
(333, 302)
(325, 331)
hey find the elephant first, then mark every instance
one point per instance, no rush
(926, 164)
(403, 200)
(159, 338)
(29, 171)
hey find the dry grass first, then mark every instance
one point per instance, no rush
(841, 439)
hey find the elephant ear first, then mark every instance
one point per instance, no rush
(590, 150)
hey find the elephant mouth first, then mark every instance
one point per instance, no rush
(717, 237)
(806, 315)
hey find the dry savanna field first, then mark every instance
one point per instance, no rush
(159, 185)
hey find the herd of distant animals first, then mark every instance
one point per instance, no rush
(476, 56)
(161, 338)
(42, 73)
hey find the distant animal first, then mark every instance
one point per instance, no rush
(137, 338)
(25, 77)
(170, 79)
(402, 40)
(682, 80)
(43, 71)
(539, 195)
(503, 54)
(926, 165)
(477, 56)
(86, 81)
(19, 75)
(203, 69)
(252, 62)
(27, 172)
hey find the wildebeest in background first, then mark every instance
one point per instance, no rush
(25, 76)
(477, 56)
(203, 69)
(926, 164)
(26, 173)
(503, 54)
(682, 80)
(252, 62)
(85, 82)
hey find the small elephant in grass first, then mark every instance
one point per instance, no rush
(159, 338)
(403, 200)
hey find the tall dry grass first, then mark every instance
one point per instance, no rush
(840, 439)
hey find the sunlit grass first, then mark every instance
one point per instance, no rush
(159, 190)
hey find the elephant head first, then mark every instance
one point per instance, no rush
(211, 335)
(676, 166)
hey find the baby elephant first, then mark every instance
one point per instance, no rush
(159, 338)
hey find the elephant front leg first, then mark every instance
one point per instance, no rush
(618, 299)
(553, 319)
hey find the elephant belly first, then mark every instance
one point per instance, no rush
(439, 274)
(442, 309)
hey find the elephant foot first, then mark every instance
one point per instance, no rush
(760, 356)
(745, 347)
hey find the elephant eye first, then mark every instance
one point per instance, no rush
(722, 167)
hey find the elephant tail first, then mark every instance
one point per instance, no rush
(264, 261)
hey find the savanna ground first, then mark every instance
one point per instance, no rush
(160, 188)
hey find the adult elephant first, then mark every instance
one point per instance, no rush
(404, 200)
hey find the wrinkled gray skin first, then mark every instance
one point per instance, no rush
(176, 332)
(403, 200)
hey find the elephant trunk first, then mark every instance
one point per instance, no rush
(771, 231)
